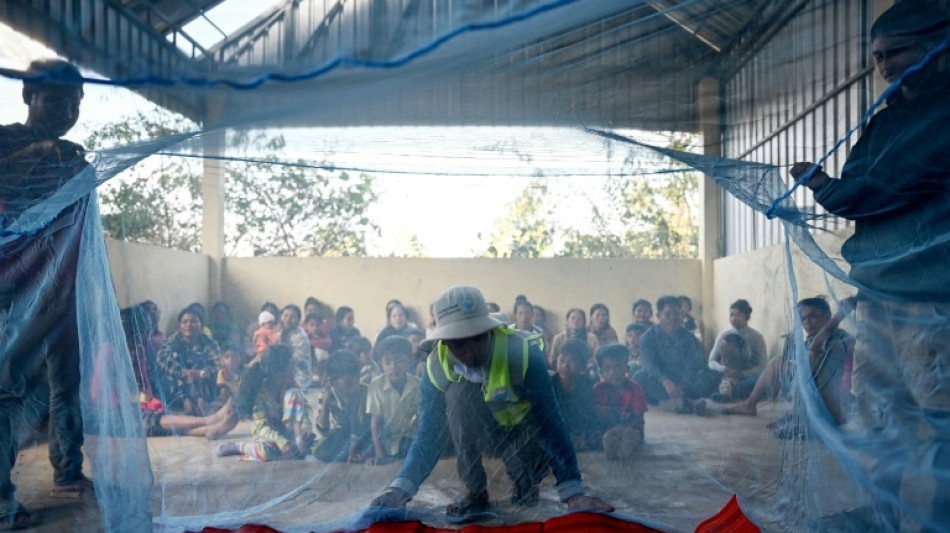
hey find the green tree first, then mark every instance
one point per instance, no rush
(273, 208)
(526, 231)
(293, 210)
(158, 201)
(651, 212)
(659, 210)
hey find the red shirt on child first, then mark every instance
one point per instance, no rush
(628, 402)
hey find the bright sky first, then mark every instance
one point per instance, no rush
(451, 214)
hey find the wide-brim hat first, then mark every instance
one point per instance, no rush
(460, 312)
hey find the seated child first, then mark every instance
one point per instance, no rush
(393, 401)
(729, 354)
(419, 356)
(619, 403)
(575, 395)
(341, 424)
(280, 416)
(369, 367)
(231, 367)
(634, 332)
(266, 335)
(318, 331)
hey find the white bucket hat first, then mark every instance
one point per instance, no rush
(460, 312)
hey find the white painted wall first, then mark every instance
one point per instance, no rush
(762, 278)
(170, 278)
(173, 279)
(366, 284)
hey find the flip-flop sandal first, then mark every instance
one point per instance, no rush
(14, 516)
(469, 509)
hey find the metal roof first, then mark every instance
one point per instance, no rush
(628, 63)
(165, 16)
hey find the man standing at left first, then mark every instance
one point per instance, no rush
(38, 323)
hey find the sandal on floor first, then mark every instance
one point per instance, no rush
(468, 509)
(14, 516)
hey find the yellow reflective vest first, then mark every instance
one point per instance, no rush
(503, 390)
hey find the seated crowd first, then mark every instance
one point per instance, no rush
(210, 373)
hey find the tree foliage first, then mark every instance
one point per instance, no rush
(651, 211)
(157, 201)
(273, 208)
(527, 230)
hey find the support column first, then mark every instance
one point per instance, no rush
(212, 195)
(710, 224)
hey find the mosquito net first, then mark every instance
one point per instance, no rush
(386, 170)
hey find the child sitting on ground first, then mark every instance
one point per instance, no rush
(369, 367)
(729, 354)
(419, 356)
(393, 401)
(231, 368)
(341, 423)
(619, 403)
(634, 332)
(318, 331)
(280, 416)
(266, 335)
(575, 395)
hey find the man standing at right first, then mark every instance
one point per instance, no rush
(895, 186)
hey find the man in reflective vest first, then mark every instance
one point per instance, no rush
(489, 384)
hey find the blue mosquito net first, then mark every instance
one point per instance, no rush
(784, 165)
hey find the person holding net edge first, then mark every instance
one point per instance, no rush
(37, 288)
(895, 186)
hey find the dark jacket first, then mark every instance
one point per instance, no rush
(895, 187)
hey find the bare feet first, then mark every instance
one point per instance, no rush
(216, 431)
(744, 408)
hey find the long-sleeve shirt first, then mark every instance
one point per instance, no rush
(671, 356)
(178, 355)
(754, 353)
(424, 452)
(895, 185)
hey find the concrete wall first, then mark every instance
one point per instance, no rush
(173, 279)
(170, 278)
(366, 284)
(762, 278)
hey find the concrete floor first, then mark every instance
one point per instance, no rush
(689, 468)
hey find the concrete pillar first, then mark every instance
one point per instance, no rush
(710, 224)
(212, 195)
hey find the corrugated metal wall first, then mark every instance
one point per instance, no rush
(800, 93)
(102, 36)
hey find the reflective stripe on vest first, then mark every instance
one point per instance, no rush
(503, 384)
